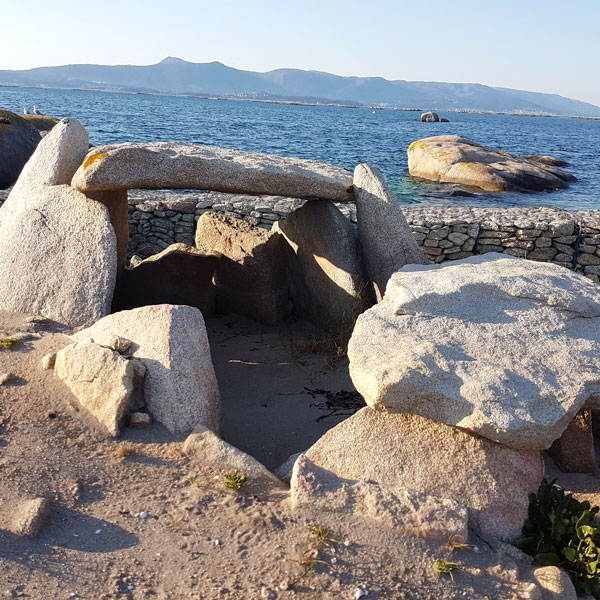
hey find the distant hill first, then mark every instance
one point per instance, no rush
(176, 76)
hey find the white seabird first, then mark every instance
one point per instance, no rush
(25, 111)
(36, 111)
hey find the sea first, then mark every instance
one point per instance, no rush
(344, 136)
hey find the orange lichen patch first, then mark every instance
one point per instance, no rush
(92, 159)
(505, 154)
(418, 145)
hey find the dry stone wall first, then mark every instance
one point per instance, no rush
(158, 219)
(567, 238)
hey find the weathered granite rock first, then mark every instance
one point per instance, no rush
(547, 160)
(178, 275)
(29, 516)
(555, 583)
(386, 239)
(403, 451)
(18, 140)
(161, 165)
(574, 450)
(250, 276)
(453, 159)
(57, 247)
(43, 123)
(209, 450)
(430, 117)
(180, 388)
(284, 470)
(326, 274)
(409, 512)
(7, 378)
(101, 380)
(504, 347)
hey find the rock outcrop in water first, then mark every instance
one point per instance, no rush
(18, 140)
(453, 159)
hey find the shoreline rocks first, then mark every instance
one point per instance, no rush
(18, 140)
(453, 159)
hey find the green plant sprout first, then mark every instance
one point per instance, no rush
(321, 536)
(234, 480)
(8, 342)
(446, 567)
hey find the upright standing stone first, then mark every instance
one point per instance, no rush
(58, 254)
(325, 266)
(386, 239)
(250, 276)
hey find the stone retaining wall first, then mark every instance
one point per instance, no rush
(568, 238)
(158, 219)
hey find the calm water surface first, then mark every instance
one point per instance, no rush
(342, 136)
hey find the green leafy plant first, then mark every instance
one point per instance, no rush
(561, 531)
(446, 567)
(8, 342)
(234, 480)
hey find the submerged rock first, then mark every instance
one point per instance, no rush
(429, 117)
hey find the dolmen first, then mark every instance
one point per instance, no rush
(64, 234)
(453, 159)
(468, 370)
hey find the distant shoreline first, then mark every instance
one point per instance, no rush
(295, 102)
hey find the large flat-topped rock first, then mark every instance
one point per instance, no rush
(453, 159)
(161, 165)
(504, 347)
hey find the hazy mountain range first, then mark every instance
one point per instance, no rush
(176, 76)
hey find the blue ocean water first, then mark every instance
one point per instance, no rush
(342, 136)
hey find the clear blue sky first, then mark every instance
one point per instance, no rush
(546, 46)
